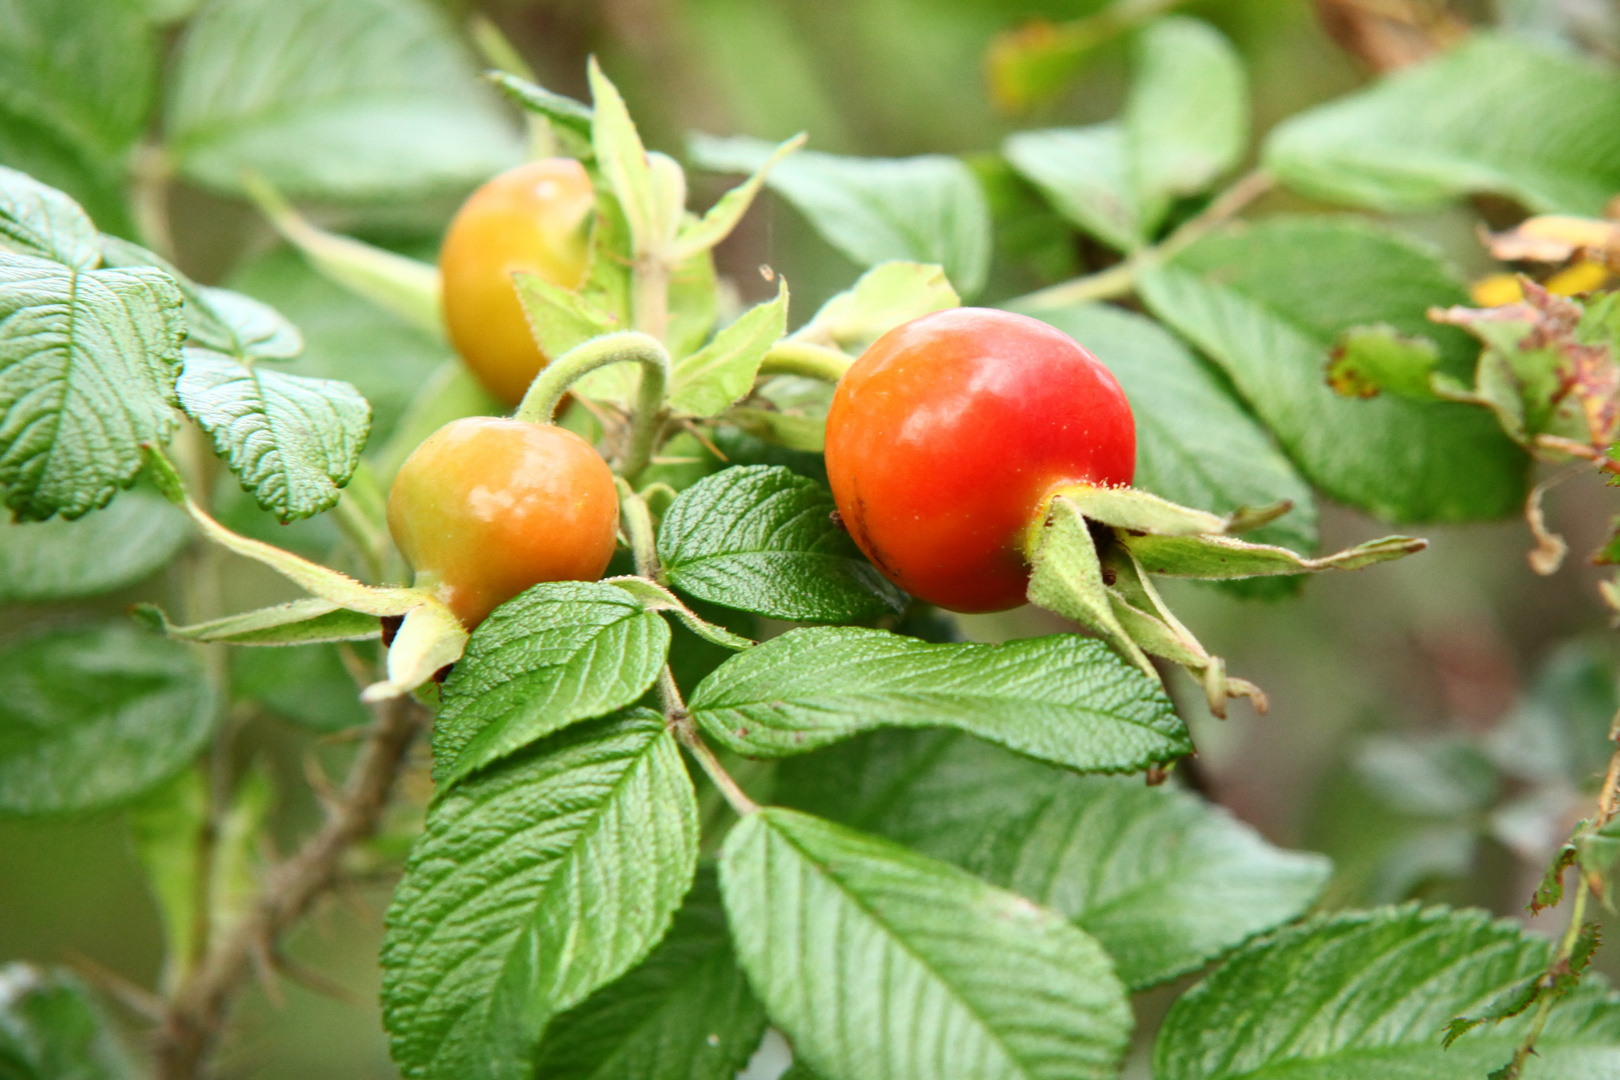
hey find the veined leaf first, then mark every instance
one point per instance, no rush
(38, 220)
(882, 964)
(1086, 174)
(723, 371)
(1064, 698)
(245, 329)
(565, 112)
(88, 361)
(94, 717)
(1495, 114)
(885, 296)
(1369, 993)
(297, 622)
(685, 1013)
(761, 538)
(1162, 880)
(625, 165)
(1187, 117)
(121, 545)
(559, 318)
(218, 319)
(1268, 302)
(561, 652)
(292, 441)
(377, 95)
(924, 209)
(1185, 123)
(535, 883)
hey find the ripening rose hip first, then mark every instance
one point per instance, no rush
(949, 435)
(534, 218)
(486, 508)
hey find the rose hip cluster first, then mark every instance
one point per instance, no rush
(945, 440)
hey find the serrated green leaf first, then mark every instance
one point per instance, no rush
(535, 883)
(657, 598)
(377, 96)
(559, 318)
(121, 545)
(1187, 116)
(559, 653)
(685, 1013)
(761, 538)
(38, 220)
(245, 329)
(723, 371)
(721, 218)
(52, 1029)
(1268, 301)
(624, 163)
(1063, 698)
(1085, 173)
(218, 319)
(94, 717)
(88, 362)
(351, 339)
(1494, 114)
(934, 790)
(1185, 123)
(1372, 991)
(804, 433)
(1195, 445)
(564, 112)
(298, 622)
(924, 209)
(885, 296)
(77, 84)
(881, 964)
(1162, 880)
(292, 441)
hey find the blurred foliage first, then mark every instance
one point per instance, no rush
(1435, 728)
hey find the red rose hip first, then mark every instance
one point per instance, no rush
(948, 436)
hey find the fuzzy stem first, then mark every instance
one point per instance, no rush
(789, 357)
(546, 392)
(639, 528)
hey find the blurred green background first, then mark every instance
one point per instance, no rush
(1434, 723)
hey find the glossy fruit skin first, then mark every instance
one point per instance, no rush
(535, 218)
(487, 507)
(949, 434)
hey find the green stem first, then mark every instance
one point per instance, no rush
(669, 695)
(1117, 280)
(649, 297)
(546, 392)
(638, 527)
(645, 425)
(1120, 279)
(788, 357)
